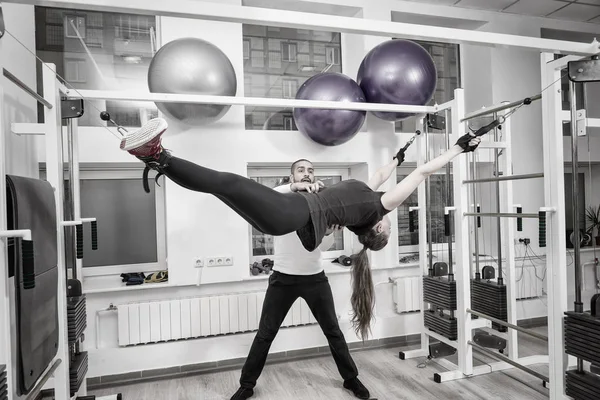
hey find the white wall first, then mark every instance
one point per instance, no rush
(199, 225)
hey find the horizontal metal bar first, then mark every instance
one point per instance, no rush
(26, 88)
(589, 122)
(243, 101)
(40, 384)
(26, 128)
(22, 233)
(492, 145)
(320, 22)
(509, 325)
(509, 361)
(505, 215)
(505, 178)
(496, 108)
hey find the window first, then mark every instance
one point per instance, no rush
(101, 51)
(333, 56)
(74, 26)
(290, 87)
(131, 222)
(279, 61)
(289, 124)
(408, 241)
(289, 52)
(446, 57)
(262, 245)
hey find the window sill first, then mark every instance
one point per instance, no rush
(124, 288)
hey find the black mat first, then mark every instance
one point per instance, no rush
(31, 205)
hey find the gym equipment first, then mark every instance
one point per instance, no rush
(581, 328)
(31, 205)
(329, 127)
(3, 381)
(343, 260)
(192, 66)
(399, 72)
(265, 267)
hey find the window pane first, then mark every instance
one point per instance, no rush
(126, 222)
(121, 46)
(447, 63)
(262, 245)
(279, 55)
(439, 200)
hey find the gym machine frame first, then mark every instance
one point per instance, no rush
(464, 224)
(53, 132)
(566, 371)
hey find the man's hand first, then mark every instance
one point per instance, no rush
(308, 187)
(332, 229)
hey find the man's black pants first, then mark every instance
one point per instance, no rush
(281, 294)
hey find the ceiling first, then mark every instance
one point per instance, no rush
(570, 10)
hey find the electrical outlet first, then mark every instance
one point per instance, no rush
(211, 262)
(198, 262)
(219, 261)
(228, 261)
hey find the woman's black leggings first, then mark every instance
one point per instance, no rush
(265, 209)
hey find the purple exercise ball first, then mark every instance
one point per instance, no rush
(397, 71)
(325, 126)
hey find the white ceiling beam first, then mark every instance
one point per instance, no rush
(299, 20)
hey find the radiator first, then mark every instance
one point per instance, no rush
(407, 294)
(188, 318)
(528, 284)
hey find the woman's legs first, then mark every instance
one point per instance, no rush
(268, 211)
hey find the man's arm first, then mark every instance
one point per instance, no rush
(300, 187)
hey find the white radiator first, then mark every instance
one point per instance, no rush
(528, 284)
(407, 294)
(167, 320)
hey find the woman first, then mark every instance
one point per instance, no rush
(351, 203)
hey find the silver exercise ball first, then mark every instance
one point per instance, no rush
(192, 66)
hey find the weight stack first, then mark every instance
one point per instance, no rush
(582, 386)
(439, 291)
(582, 337)
(3, 383)
(489, 298)
(78, 368)
(76, 317)
(441, 324)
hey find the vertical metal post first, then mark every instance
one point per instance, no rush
(70, 258)
(554, 196)
(428, 202)
(476, 232)
(448, 195)
(499, 219)
(5, 325)
(461, 225)
(54, 164)
(575, 182)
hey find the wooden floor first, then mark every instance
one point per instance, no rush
(386, 376)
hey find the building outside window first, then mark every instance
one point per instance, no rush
(101, 51)
(277, 61)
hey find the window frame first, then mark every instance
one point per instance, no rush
(77, 19)
(289, 45)
(414, 248)
(116, 173)
(332, 52)
(265, 172)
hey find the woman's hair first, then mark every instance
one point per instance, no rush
(363, 291)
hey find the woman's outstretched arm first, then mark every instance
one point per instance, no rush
(396, 196)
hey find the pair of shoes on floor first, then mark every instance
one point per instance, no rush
(242, 394)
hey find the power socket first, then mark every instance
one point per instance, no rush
(198, 262)
(211, 262)
(525, 241)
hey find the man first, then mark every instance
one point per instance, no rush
(298, 273)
